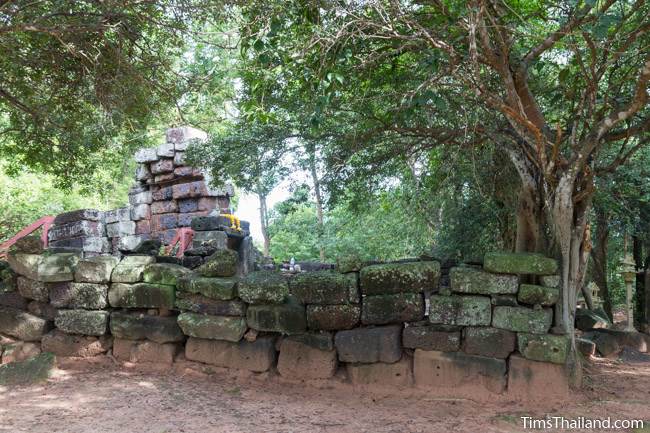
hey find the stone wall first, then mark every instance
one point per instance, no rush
(166, 196)
(485, 335)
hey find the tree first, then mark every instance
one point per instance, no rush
(82, 78)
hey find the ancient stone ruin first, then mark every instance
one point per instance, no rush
(483, 333)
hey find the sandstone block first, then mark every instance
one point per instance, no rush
(182, 136)
(460, 310)
(43, 310)
(432, 337)
(164, 221)
(398, 374)
(145, 351)
(164, 273)
(185, 219)
(88, 244)
(119, 229)
(227, 328)
(95, 269)
(536, 381)
(76, 229)
(474, 281)
(532, 295)
(144, 156)
(25, 264)
(263, 287)
(57, 267)
(143, 227)
(366, 345)
(140, 212)
(165, 165)
(323, 287)
(88, 296)
(333, 317)
(456, 374)
(165, 150)
(519, 263)
(545, 347)
(522, 319)
(22, 325)
(215, 239)
(139, 326)
(117, 215)
(286, 318)
(399, 277)
(257, 356)
(223, 289)
(317, 340)
(396, 308)
(82, 322)
(82, 346)
(32, 289)
(131, 268)
(78, 215)
(189, 190)
(349, 263)
(142, 173)
(164, 193)
(13, 300)
(223, 263)
(167, 206)
(204, 305)
(300, 361)
(141, 295)
(486, 341)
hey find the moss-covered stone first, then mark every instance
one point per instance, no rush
(349, 263)
(399, 278)
(141, 295)
(288, 318)
(7, 278)
(223, 289)
(519, 263)
(545, 347)
(522, 319)
(22, 325)
(32, 289)
(226, 328)
(95, 269)
(474, 281)
(82, 322)
(263, 287)
(57, 267)
(488, 341)
(89, 296)
(460, 310)
(25, 264)
(396, 308)
(164, 273)
(223, 263)
(431, 337)
(532, 294)
(550, 280)
(204, 305)
(34, 370)
(333, 317)
(131, 268)
(323, 287)
(139, 326)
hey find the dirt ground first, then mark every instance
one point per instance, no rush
(100, 396)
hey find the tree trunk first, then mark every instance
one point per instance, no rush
(529, 220)
(319, 205)
(599, 257)
(639, 292)
(264, 223)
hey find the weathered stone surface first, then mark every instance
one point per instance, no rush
(182, 136)
(87, 244)
(13, 300)
(223, 263)
(607, 345)
(288, 318)
(165, 150)
(550, 280)
(141, 197)
(140, 326)
(301, 361)
(536, 381)
(323, 287)
(19, 351)
(204, 305)
(164, 273)
(22, 325)
(586, 347)
(34, 370)
(508, 300)
(350, 263)
(32, 289)
(76, 229)
(317, 340)
(396, 308)
(432, 337)
(223, 289)
(131, 268)
(88, 296)
(140, 212)
(121, 214)
(141, 295)
(214, 239)
(257, 356)
(25, 264)
(399, 278)
(227, 328)
(460, 310)
(456, 374)
(142, 172)
(519, 263)
(7, 278)
(604, 337)
(82, 346)
(333, 317)
(263, 286)
(43, 310)
(210, 223)
(474, 281)
(57, 267)
(486, 341)
(366, 345)
(146, 155)
(78, 215)
(120, 228)
(522, 319)
(532, 295)
(167, 206)
(145, 351)
(32, 244)
(587, 319)
(398, 374)
(164, 222)
(545, 348)
(95, 269)
(82, 322)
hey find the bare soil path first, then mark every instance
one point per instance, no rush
(98, 397)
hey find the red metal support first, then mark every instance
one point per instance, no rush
(183, 238)
(45, 222)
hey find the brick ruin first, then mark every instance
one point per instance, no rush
(469, 331)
